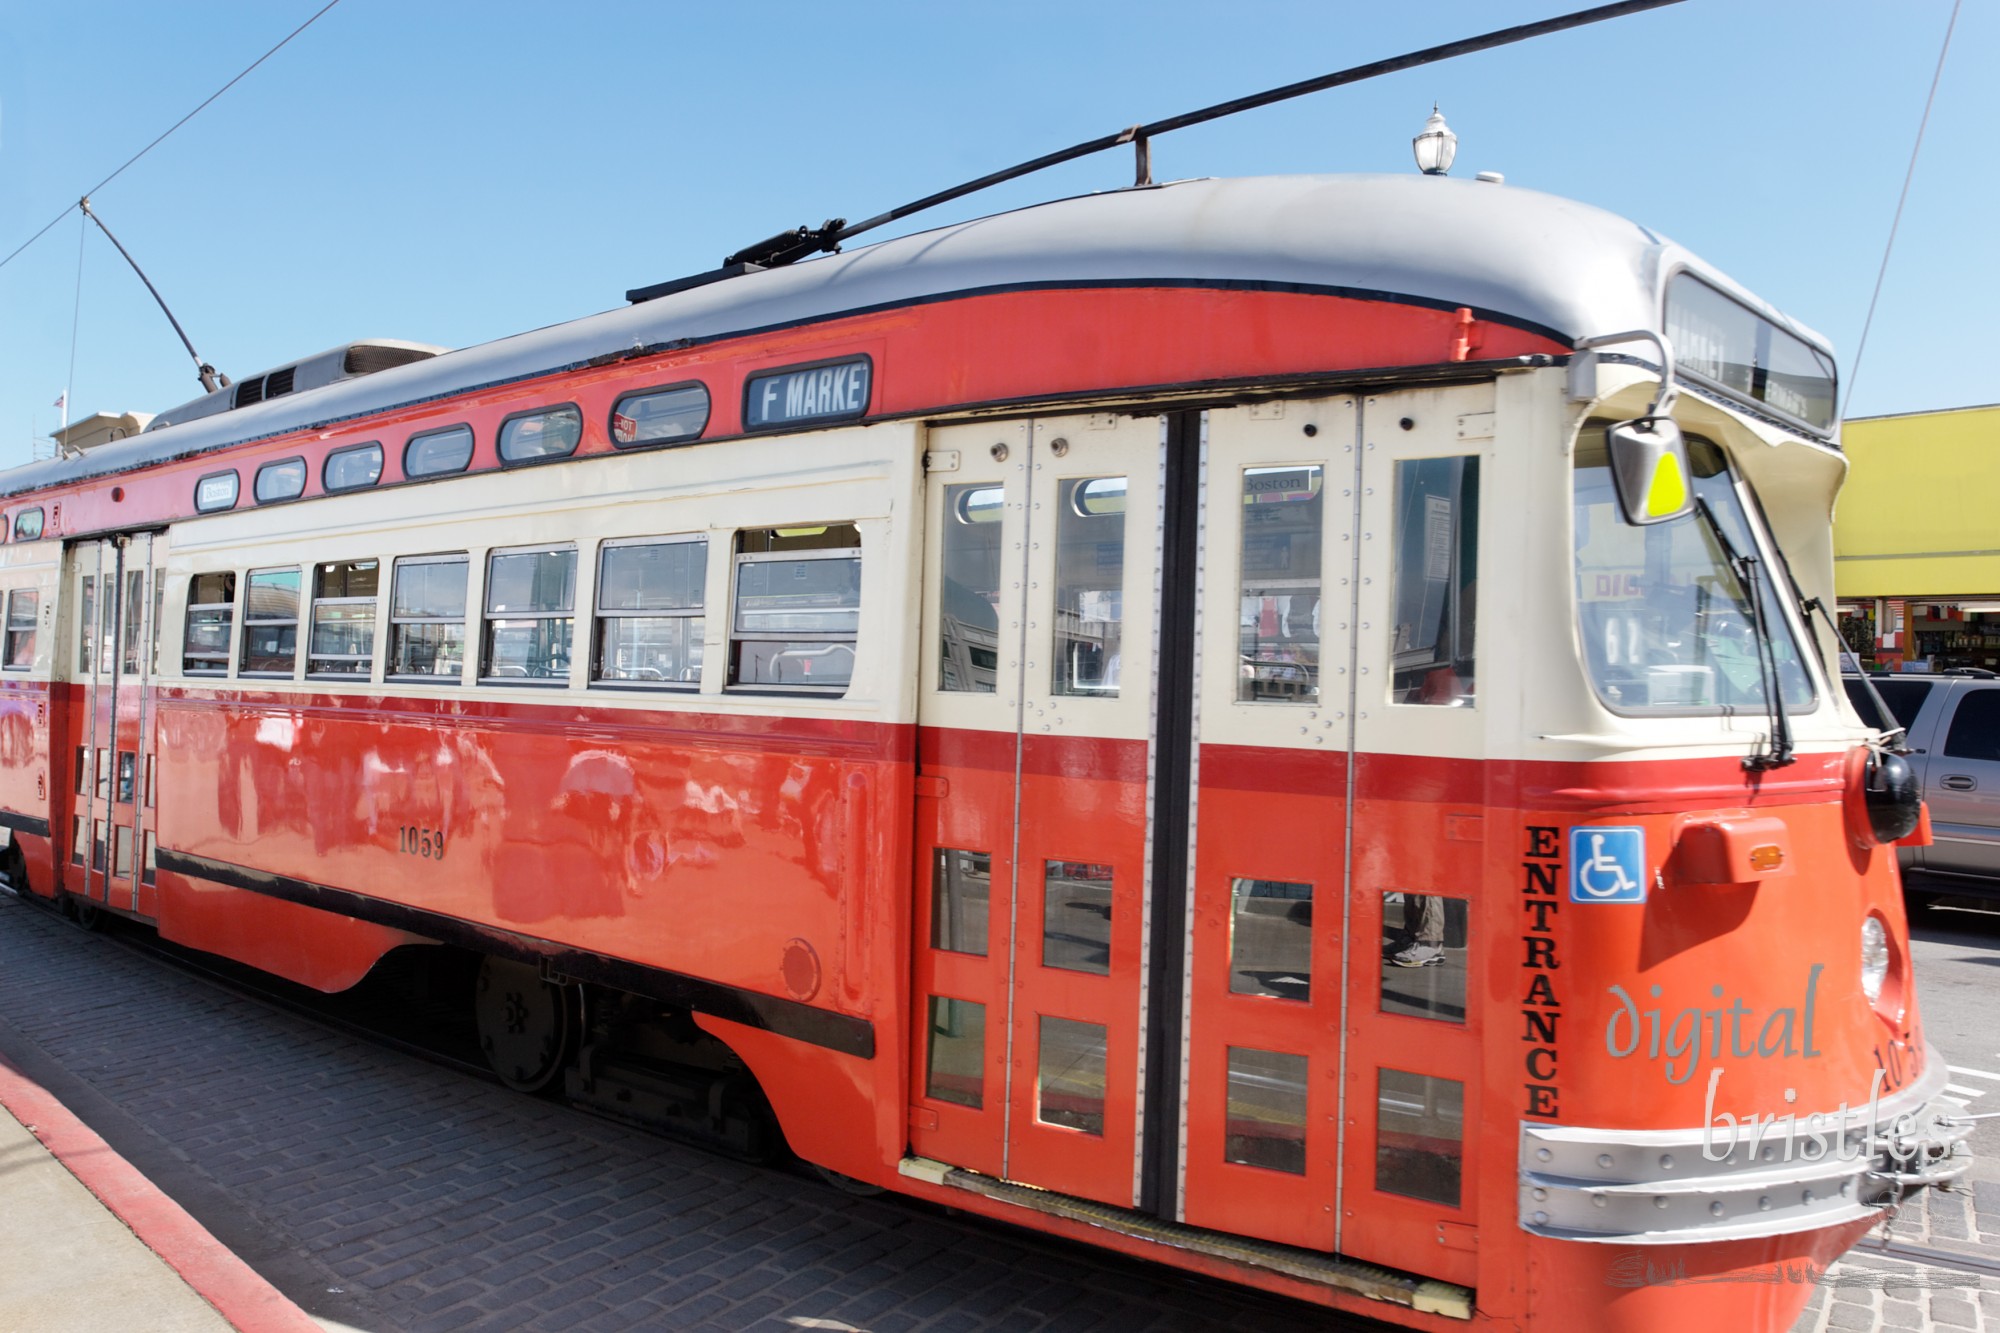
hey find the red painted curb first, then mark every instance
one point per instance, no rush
(246, 1300)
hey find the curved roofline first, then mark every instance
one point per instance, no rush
(1514, 256)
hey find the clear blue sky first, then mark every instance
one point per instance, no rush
(455, 172)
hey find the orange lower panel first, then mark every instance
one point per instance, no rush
(301, 944)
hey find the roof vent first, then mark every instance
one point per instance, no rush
(279, 381)
(249, 391)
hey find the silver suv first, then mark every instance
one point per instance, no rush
(1953, 724)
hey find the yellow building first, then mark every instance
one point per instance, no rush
(1916, 538)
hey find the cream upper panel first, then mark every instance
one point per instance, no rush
(864, 476)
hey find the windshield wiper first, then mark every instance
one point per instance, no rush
(1778, 748)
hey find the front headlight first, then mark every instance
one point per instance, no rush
(1874, 957)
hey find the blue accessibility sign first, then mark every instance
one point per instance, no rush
(1607, 865)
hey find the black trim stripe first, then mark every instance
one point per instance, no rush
(24, 823)
(844, 1033)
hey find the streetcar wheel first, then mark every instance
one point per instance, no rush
(847, 1184)
(84, 912)
(527, 1027)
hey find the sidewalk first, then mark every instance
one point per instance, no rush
(88, 1244)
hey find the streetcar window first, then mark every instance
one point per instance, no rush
(28, 525)
(530, 615)
(1666, 624)
(342, 642)
(1090, 588)
(215, 492)
(969, 622)
(1278, 624)
(271, 623)
(1434, 592)
(1419, 1136)
(1266, 1110)
(660, 416)
(427, 618)
(85, 626)
(210, 613)
(352, 468)
(961, 895)
(551, 433)
(22, 606)
(957, 1056)
(438, 452)
(80, 841)
(1423, 961)
(1069, 1083)
(280, 481)
(1271, 939)
(152, 862)
(1076, 916)
(650, 595)
(159, 610)
(133, 631)
(798, 608)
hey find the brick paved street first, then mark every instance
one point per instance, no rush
(391, 1195)
(397, 1197)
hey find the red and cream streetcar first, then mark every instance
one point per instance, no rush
(1267, 724)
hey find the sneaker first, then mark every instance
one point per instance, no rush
(1419, 955)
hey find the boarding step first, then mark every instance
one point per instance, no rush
(1425, 1295)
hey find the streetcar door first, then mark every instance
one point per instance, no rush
(1260, 1061)
(1035, 708)
(1425, 695)
(115, 584)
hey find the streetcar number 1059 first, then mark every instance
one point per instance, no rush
(421, 841)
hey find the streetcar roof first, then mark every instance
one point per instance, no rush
(1518, 256)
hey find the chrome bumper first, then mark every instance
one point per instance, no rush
(1676, 1186)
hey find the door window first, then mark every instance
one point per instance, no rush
(1090, 587)
(1278, 631)
(1434, 592)
(969, 619)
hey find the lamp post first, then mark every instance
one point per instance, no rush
(1435, 146)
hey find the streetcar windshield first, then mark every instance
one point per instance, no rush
(1667, 626)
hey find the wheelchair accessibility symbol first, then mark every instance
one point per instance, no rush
(1607, 865)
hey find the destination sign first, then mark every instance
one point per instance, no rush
(812, 393)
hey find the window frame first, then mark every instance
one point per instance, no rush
(463, 559)
(707, 415)
(20, 521)
(257, 480)
(326, 467)
(549, 410)
(228, 654)
(235, 491)
(598, 615)
(374, 625)
(8, 631)
(737, 636)
(487, 617)
(242, 654)
(422, 435)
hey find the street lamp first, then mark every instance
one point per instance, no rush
(1436, 146)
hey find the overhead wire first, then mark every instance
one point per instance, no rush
(1854, 372)
(170, 129)
(75, 323)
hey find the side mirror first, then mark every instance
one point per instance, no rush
(1649, 467)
